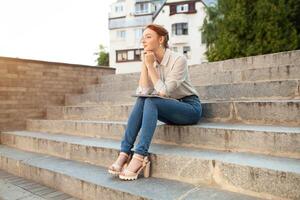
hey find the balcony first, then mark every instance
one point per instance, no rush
(138, 1)
(133, 22)
(144, 8)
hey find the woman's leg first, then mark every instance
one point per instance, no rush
(133, 125)
(169, 111)
(132, 129)
(175, 112)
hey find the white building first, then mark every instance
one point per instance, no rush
(128, 18)
(126, 22)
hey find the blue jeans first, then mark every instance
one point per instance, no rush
(146, 112)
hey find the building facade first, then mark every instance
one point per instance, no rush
(128, 18)
(126, 22)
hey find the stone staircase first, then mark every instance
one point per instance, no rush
(247, 145)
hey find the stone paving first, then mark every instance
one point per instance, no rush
(17, 188)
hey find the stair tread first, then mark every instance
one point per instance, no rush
(245, 159)
(153, 188)
(257, 100)
(212, 125)
(119, 82)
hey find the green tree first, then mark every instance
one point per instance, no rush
(209, 31)
(238, 28)
(274, 31)
(103, 56)
(294, 16)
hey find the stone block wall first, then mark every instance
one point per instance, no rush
(28, 86)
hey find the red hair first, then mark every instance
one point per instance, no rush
(161, 31)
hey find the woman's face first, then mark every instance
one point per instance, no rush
(150, 40)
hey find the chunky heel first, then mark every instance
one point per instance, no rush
(147, 170)
(129, 175)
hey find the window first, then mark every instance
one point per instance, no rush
(121, 34)
(118, 8)
(121, 56)
(187, 52)
(142, 8)
(128, 55)
(180, 29)
(182, 8)
(175, 49)
(137, 54)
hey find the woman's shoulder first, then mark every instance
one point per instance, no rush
(177, 57)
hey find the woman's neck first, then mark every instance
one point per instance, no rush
(159, 54)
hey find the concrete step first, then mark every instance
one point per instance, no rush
(246, 90)
(239, 64)
(92, 98)
(253, 62)
(15, 188)
(273, 73)
(269, 140)
(90, 182)
(194, 166)
(277, 112)
(240, 91)
(210, 77)
(134, 76)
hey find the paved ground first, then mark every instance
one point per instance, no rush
(17, 188)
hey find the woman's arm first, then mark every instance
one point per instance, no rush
(145, 81)
(154, 77)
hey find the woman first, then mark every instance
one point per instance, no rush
(164, 73)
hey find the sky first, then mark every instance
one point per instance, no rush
(67, 31)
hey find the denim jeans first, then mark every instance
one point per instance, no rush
(146, 112)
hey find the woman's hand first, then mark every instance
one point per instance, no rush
(149, 58)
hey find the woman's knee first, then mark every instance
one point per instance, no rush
(152, 100)
(140, 99)
(139, 103)
(149, 102)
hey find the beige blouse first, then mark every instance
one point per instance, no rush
(174, 77)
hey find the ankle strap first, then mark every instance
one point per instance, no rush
(140, 159)
(123, 153)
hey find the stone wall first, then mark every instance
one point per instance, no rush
(28, 86)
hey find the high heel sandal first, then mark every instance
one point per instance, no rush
(129, 175)
(115, 169)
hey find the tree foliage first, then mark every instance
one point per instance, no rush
(238, 28)
(103, 56)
